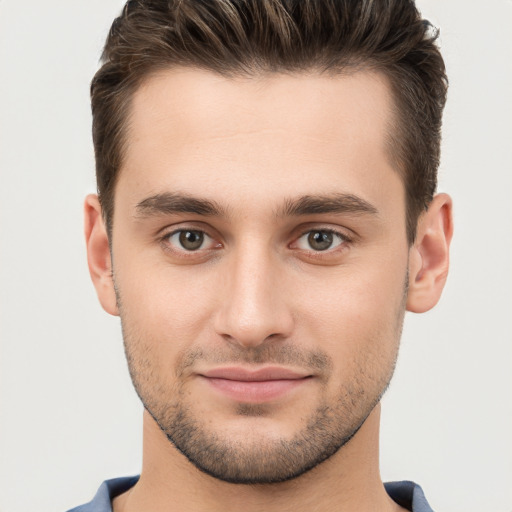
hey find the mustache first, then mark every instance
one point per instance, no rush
(285, 355)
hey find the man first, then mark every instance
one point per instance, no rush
(266, 215)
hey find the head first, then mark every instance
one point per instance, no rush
(266, 175)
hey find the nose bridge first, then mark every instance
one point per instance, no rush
(254, 304)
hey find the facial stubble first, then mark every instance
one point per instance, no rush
(257, 458)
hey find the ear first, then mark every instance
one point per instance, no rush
(98, 254)
(429, 255)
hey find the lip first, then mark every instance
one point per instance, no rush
(250, 375)
(254, 386)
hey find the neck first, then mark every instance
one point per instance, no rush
(348, 481)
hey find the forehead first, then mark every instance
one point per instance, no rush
(272, 133)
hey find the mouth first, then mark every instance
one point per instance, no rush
(254, 386)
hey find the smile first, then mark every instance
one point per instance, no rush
(258, 386)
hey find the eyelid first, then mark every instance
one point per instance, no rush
(192, 225)
(346, 240)
(345, 233)
(340, 237)
(166, 233)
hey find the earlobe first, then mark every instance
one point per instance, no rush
(429, 255)
(98, 254)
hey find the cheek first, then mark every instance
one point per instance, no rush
(359, 328)
(164, 309)
(357, 313)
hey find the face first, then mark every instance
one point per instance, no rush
(260, 264)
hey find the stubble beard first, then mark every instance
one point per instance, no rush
(253, 459)
(256, 459)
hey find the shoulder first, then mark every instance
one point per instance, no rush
(408, 495)
(108, 490)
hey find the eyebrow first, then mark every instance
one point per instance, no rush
(333, 203)
(169, 203)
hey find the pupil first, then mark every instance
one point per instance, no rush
(191, 240)
(320, 240)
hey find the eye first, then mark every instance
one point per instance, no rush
(189, 239)
(320, 240)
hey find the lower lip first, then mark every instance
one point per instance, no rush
(255, 391)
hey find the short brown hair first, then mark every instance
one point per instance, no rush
(244, 37)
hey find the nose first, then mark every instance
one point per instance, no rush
(254, 305)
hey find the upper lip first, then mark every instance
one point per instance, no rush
(254, 375)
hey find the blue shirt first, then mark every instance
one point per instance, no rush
(407, 494)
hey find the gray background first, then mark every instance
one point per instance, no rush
(68, 415)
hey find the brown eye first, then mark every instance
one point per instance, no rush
(190, 240)
(320, 240)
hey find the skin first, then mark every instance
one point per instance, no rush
(257, 293)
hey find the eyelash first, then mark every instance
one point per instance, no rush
(182, 252)
(343, 238)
